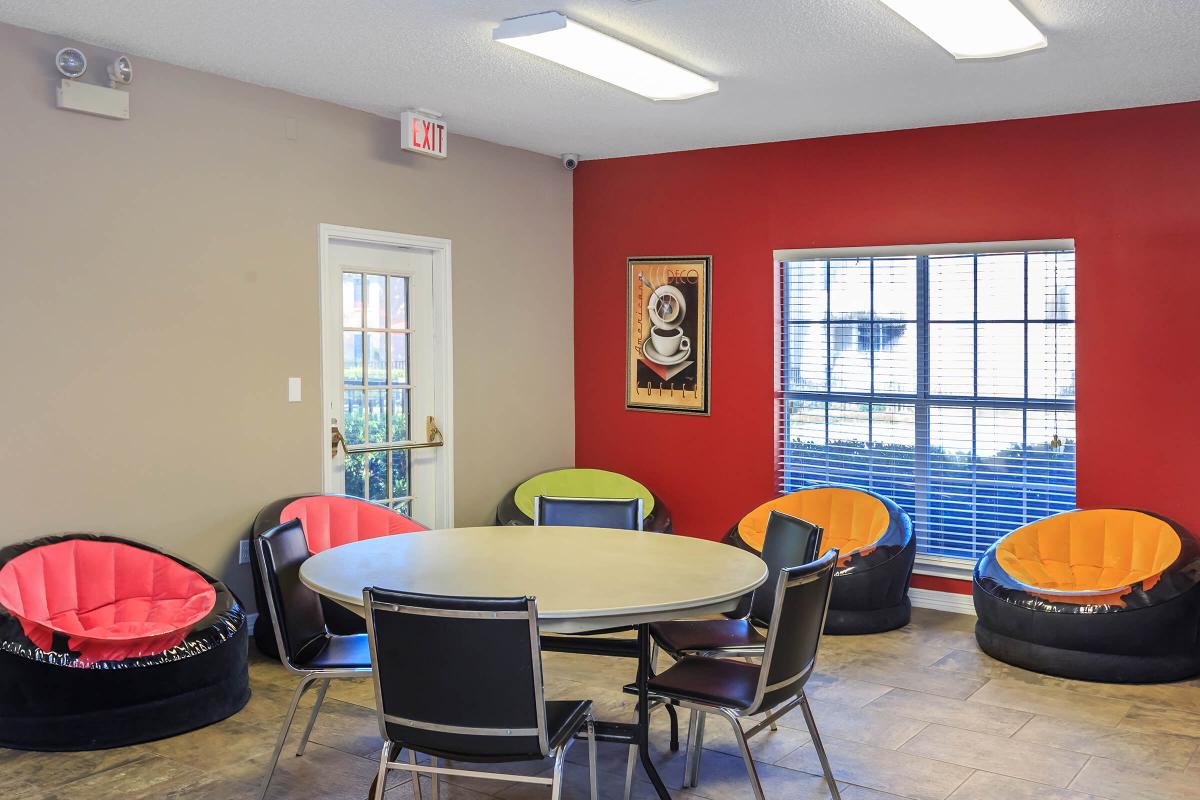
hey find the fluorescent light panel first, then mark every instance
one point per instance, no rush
(556, 38)
(972, 28)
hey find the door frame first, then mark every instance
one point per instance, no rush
(443, 339)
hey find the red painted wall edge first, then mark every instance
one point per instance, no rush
(1123, 184)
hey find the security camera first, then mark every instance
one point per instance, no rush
(120, 72)
(71, 63)
(570, 160)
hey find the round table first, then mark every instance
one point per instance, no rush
(584, 579)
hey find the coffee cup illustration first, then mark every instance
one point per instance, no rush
(669, 341)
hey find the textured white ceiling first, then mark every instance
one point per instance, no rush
(788, 68)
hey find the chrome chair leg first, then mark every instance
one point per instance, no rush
(693, 722)
(556, 786)
(820, 748)
(593, 788)
(381, 779)
(631, 763)
(416, 776)
(694, 777)
(312, 718)
(305, 683)
(744, 746)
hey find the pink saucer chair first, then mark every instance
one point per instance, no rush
(329, 521)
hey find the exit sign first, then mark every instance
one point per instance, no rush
(423, 134)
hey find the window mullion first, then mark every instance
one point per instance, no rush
(921, 411)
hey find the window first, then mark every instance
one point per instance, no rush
(376, 388)
(943, 381)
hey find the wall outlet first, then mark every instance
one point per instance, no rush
(244, 551)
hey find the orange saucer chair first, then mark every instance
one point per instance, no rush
(328, 521)
(1101, 595)
(874, 537)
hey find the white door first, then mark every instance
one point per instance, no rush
(385, 310)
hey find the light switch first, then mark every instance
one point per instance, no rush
(293, 390)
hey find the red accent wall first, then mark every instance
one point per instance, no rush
(1124, 184)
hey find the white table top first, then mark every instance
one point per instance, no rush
(583, 578)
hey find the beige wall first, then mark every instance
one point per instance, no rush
(158, 285)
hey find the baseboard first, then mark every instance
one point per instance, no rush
(942, 601)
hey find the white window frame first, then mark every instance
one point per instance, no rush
(939, 566)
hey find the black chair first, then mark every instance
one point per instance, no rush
(588, 512)
(735, 689)
(594, 512)
(789, 541)
(470, 691)
(306, 647)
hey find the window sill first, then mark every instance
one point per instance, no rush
(959, 569)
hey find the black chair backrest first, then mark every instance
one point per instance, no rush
(588, 512)
(788, 542)
(801, 603)
(294, 608)
(458, 677)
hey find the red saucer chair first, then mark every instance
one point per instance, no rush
(328, 520)
(105, 642)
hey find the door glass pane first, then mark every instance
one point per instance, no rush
(400, 472)
(397, 302)
(399, 414)
(399, 363)
(355, 482)
(353, 416)
(352, 358)
(352, 304)
(376, 299)
(376, 359)
(377, 475)
(376, 416)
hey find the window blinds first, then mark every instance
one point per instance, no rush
(946, 382)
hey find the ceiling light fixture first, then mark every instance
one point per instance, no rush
(556, 38)
(972, 28)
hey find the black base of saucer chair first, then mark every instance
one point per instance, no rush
(1084, 666)
(1152, 644)
(845, 622)
(872, 600)
(65, 709)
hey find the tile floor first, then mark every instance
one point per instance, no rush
(918, 713)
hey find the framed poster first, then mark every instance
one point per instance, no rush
(669, 304)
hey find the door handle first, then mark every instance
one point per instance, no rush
(337, 439)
